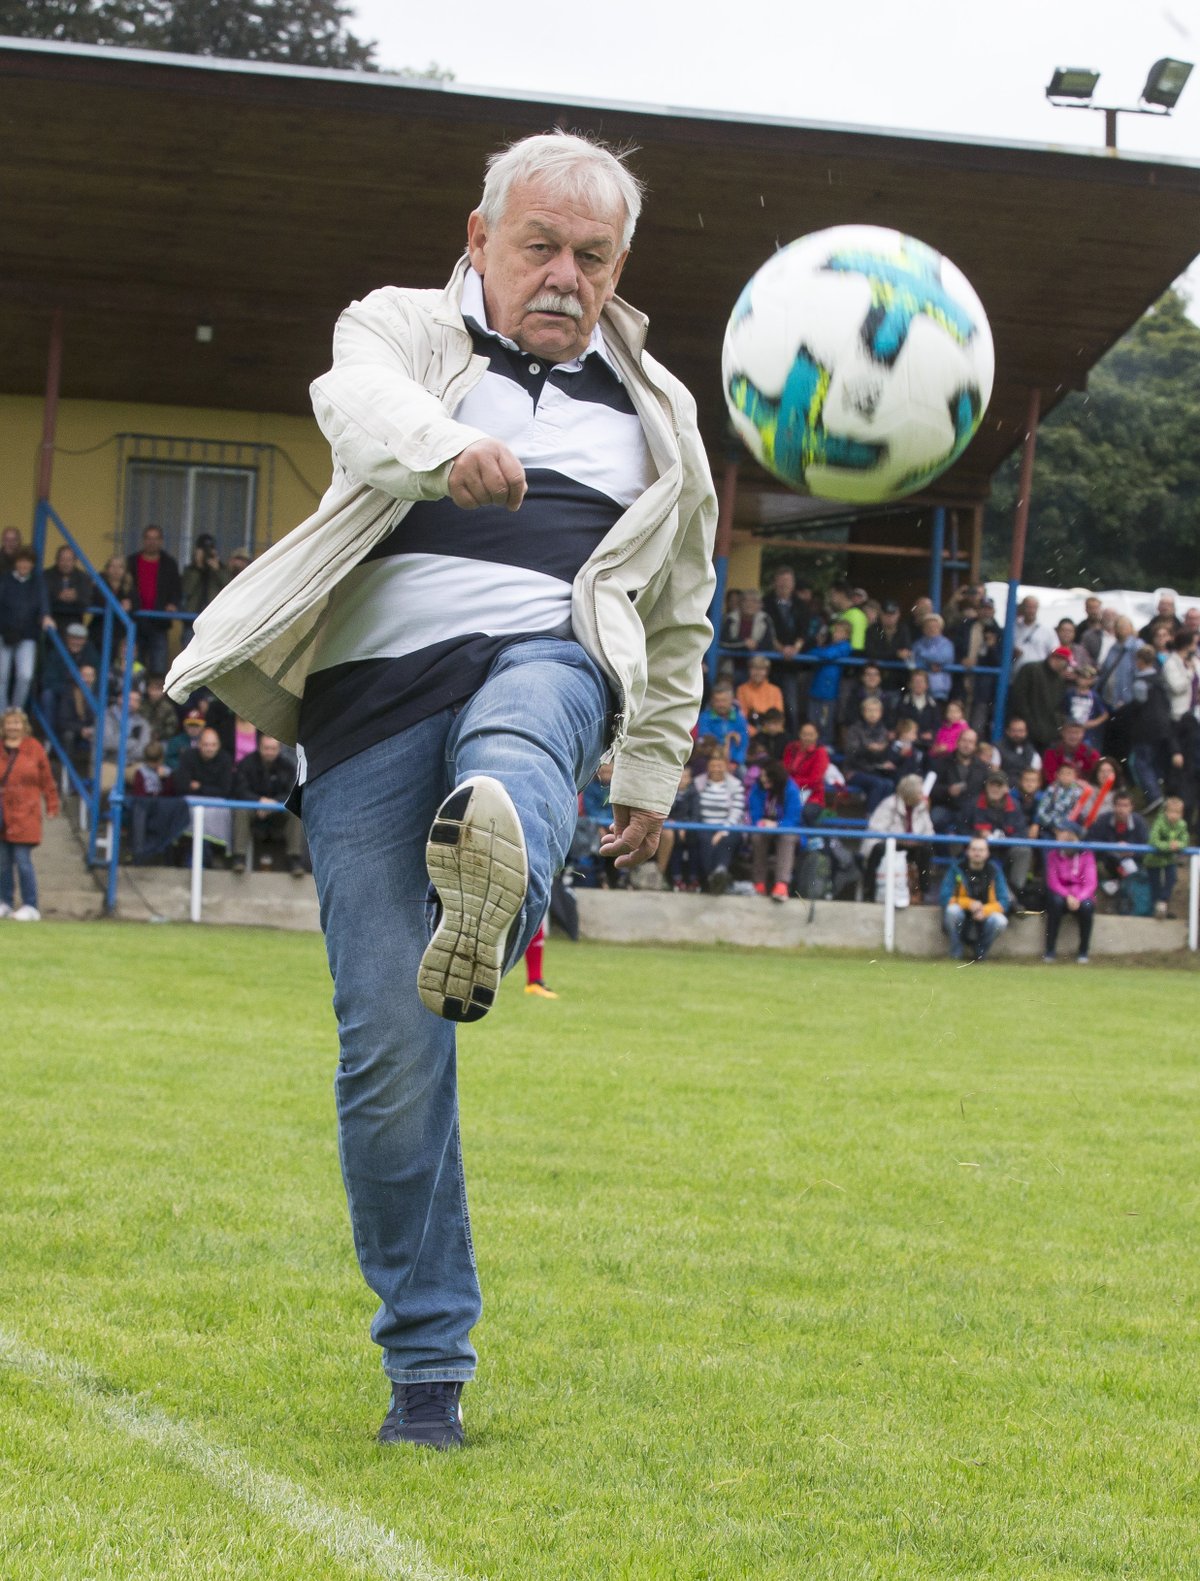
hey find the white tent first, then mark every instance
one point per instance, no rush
(1056, 602)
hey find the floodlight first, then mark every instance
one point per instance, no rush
(1075, 82)
(1166, 82)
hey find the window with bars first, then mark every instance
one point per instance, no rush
(186, 499)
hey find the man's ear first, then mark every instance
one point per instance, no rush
(477, 237)
(611, 291)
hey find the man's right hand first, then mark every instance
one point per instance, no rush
(487, 473)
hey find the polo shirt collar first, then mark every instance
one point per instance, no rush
(474, 312)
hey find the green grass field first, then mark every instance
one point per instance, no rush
(793, 1268)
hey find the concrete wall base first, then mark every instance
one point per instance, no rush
(639, 916)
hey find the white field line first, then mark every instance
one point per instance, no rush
(347, 1534)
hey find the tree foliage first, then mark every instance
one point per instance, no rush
(297, 32)
(1116, 482)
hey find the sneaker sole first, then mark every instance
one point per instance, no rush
(477, 863)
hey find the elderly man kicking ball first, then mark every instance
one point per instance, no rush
(508, 577)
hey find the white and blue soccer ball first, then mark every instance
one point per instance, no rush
(857, 364)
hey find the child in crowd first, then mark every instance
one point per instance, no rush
(726, 723)
(1070, 886)
(906, 750)
(1057, 804)
(772, 734)
(1168, 836)
(1029, 795)
(1084, 706)
(918, 703)
(827, 679)
(676, 857)
(952, 726)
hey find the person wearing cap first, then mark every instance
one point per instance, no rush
(1070, 887)
(187, 736)
(56, 679)
(889, 641)
(977, 642)
(204, 576)
(1038, 693)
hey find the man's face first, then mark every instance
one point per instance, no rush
(967, 743)
(549, 266)
(268, 749)
(889, 619)
(784, 584)
(1092, 608)
(210, 744)
(808, 737)
(1123, 807)
(1029, 609)
(751, 601)
(872, 678)
(758, 671)
(1059, 666)
(722, 703)
(64, 560)
(1018, 732)
(1166, 606)
(75, 645)
(996, 794)
(1072, 735)
(977, 853)
(152, 541)
(9, 539)
(1191, 620)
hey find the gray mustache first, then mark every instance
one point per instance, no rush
(551, 302)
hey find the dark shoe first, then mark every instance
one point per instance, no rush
(478, 866)
(295, 867)
(428, 1414)
(237, 864)
(718, 881)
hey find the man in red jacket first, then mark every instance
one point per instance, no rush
(1070, 747)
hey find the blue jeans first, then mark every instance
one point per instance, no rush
(987, 931)
(538, 725)
(16, 669)
(20, 856)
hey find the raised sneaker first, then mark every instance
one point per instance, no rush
(27, 914)
(426, 1414)
(478, 866)
(540, 991)
(780, 892)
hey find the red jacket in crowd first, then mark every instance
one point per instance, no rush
(807, 769)
(31, 779)
(1084, 758)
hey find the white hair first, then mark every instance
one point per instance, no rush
(569, 167)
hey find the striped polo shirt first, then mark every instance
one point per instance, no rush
(416, 626)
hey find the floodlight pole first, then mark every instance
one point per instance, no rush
(1016, 562)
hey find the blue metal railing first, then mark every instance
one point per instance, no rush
(114, 619)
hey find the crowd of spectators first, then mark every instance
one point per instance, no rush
(840, 710)
(170, 752)
(845, 712)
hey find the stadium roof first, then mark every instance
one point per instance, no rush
(147, 193)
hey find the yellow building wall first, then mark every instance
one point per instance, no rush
(84, 488)
(745, 563)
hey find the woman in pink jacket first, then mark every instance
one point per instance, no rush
(1070, 887)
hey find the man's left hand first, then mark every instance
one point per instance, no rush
(632, 837)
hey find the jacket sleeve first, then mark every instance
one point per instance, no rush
(674, 615)
(170, 585)
(1003, 893)
(946, 893)
(383, 426)
(46, 784)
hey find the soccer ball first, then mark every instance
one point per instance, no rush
(857, 364)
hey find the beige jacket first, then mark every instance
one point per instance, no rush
(402, 360)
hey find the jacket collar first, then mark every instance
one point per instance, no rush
(624, 327)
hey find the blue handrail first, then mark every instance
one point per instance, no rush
(45, 517)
